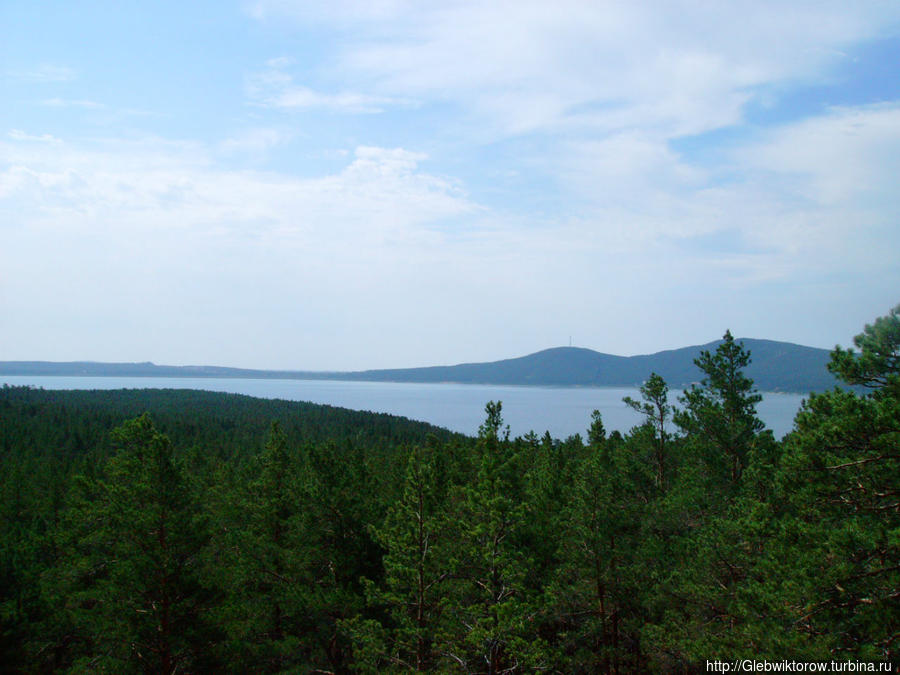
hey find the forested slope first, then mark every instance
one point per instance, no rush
(176, 531)
(776, 366)
(233, 424)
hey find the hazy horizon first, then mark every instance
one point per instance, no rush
(275, 184)
(399, 367)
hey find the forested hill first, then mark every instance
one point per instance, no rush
(65, 424)
(775, 366)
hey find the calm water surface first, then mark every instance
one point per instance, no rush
(562, 411)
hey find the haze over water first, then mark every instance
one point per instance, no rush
(562, 411)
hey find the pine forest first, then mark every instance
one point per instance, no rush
(174, 531)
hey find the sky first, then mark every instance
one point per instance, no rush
(345, 185)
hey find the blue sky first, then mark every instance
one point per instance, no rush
(349, 185)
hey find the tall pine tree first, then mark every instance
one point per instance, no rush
(128, 580)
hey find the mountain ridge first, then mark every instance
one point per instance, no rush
(775, 366)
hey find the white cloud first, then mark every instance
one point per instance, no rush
(680, 68)
(280, 62)
(19, 135)
(275, 88)
(613, 83)
(255, 141)
(345, 11)
(45, 73)
(156, 187)
(304, 97)
(844, 156)
(100, 225)
(830, 186)
(71, 103)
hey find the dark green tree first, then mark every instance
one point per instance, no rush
(414, 538)
(654, 406)
(596, 432)
(486, 612)
(694, 605)
(721, 412)
(592, 592)
(839, 489)
(877, 363)
(337, 512)
(256, 560)
(128, 581)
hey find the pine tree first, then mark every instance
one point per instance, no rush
(593, 591)
(128, 579)
(696, 525)
(256, 560)
(415, 539)
(839, 486)
(721, 412)
(596, 432)
(335, 519)
(488, 618)
(656, 410)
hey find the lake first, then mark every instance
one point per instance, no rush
(562, 411)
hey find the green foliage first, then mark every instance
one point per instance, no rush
(656, 410)
(839, 487)
(415, 538)
(129, 577)
(235, 535)
(877, 365)
(596, 432)
(592, 591)
(256, 560)
(721, 412)
(490, 430)
(486, 609)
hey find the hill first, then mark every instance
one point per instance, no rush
(66, 422)
(776, 366)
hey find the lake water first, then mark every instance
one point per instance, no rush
(562, 411)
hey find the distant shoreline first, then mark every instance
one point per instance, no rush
(629, 387)
(775, 367)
